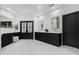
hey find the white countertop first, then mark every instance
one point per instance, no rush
(50, 32)
(6, 30)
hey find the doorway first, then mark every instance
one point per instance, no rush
(71, 29)
(26, 29)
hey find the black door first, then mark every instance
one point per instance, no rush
(26, 29)
(70, 29)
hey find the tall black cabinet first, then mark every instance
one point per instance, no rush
(71, 29)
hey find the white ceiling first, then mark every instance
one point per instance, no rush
(26, 9)
(30, 9)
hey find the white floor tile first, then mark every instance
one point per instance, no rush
(34, 47)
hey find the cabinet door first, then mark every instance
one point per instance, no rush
(6, 39)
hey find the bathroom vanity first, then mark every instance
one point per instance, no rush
(50, 38)
(5, 36)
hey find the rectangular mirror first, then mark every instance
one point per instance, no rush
(55, 21)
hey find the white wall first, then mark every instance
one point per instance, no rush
(64, 9)
(21, 18)
(55, 13)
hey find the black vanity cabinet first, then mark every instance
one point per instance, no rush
(50, 38)
(7, 38)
